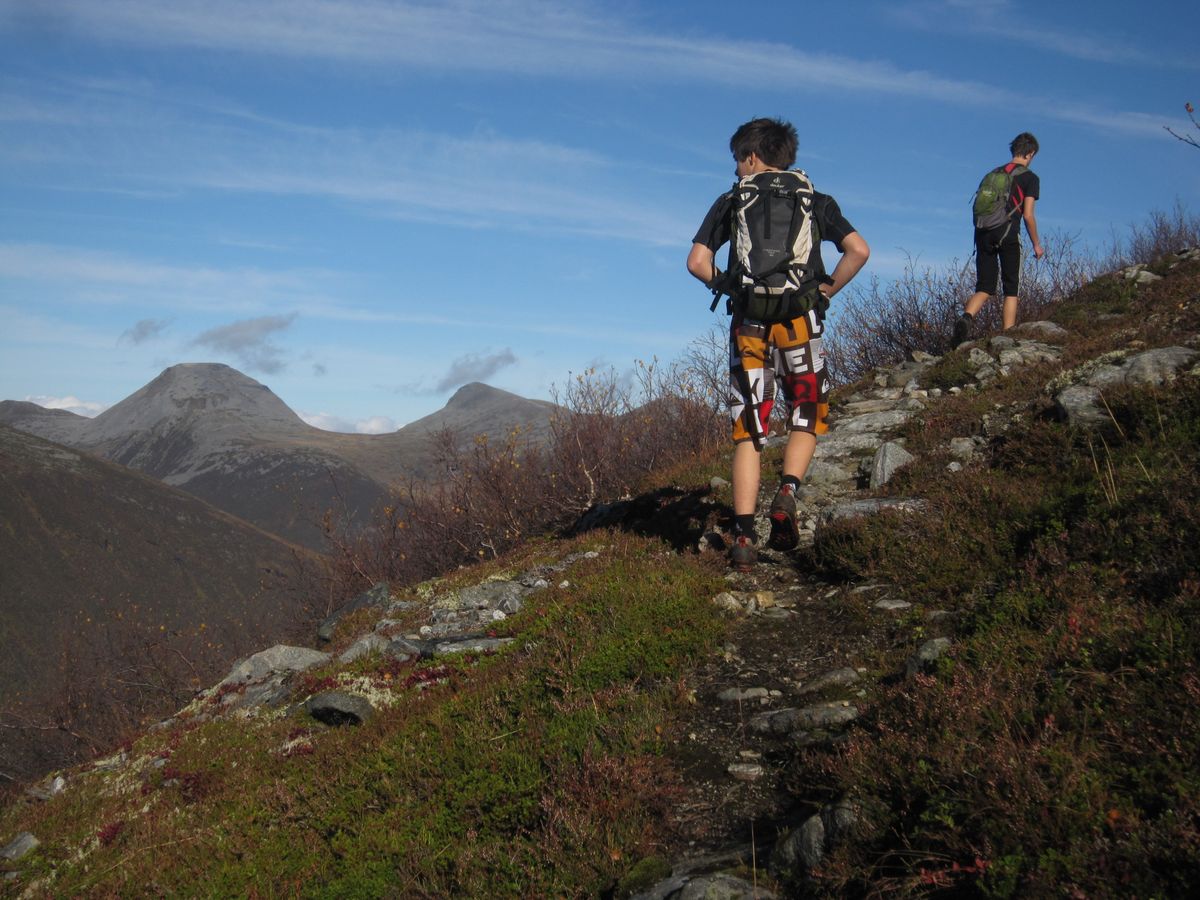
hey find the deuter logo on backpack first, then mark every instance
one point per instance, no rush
(990, 207)
(776, 259)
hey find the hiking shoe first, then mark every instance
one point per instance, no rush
(742, 555)
(962, 331)
(785, 534)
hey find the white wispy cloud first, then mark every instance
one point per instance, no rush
(123, 279)
(140, 139)
(539, 38)
(1006, 21)
(89, 276)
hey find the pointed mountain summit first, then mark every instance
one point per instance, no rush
(190, 392)
(176, 424)
(482, 409)
(477, 394)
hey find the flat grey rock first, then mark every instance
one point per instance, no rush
(835, 678)
(280, 658)
(23, 844)
(879, 421)
(1080, 405)
(850, 508)
(470, 645)
(1041, 329)
(370, 643)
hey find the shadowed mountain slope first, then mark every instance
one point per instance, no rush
(145, 571)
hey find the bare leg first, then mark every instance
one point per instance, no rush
(798, 453)
(1010, 312)
(976, 302)
(747, 463)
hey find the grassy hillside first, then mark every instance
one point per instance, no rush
(534, 771)
(1053, 750)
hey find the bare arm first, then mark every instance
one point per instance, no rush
(855, 254)
(1031, 226)
(701, 263)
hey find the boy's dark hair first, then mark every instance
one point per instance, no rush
(1023, 143)
(771, 140)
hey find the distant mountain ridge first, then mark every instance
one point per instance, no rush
(221, 435)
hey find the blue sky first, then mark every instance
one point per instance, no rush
(367, 203)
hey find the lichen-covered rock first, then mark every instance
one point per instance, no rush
(850, 508)
(719, 886)
(368, 643)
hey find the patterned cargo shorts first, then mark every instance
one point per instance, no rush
(791, 353)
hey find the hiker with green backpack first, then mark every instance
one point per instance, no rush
(778, 291)
(1005, 195)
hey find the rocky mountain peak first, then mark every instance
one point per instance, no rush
(192, 391)
(474, 394)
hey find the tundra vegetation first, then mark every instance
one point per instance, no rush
(1055, 750)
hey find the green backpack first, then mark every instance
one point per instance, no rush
(990, 206)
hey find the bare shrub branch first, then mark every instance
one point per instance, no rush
(1186, 138)
(1162, 232)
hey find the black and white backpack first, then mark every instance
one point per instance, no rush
(775, 258)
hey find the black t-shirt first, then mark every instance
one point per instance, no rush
(831, 224)
(1026, 184)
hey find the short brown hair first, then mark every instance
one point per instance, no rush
(1023, 144)
(773, 141)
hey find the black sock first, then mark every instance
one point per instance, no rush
(744, 525)
(793, 481)
(968, 316)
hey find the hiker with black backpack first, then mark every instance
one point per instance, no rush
(1005, 196)
(778, 291)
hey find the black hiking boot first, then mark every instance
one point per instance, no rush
(962, 330)
(785, 534)
(742, 554)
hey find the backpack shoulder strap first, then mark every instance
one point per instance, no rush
(1019, 198)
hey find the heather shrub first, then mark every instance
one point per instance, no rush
(1162, 232)
(1053, 751)
(883, 323)
(609, 435)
